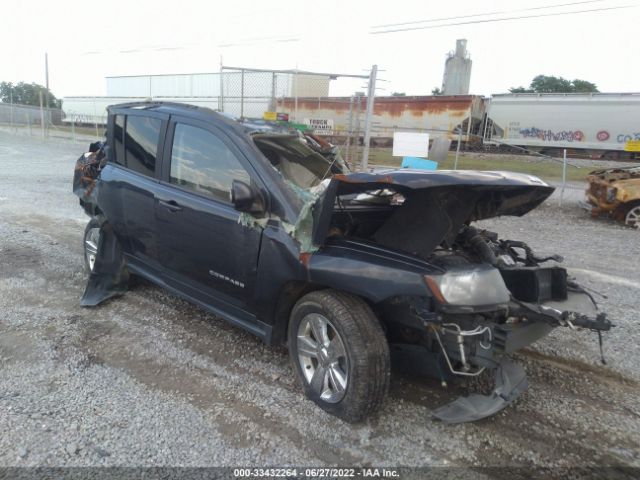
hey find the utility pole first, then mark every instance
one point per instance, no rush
(41, 115)
(221, 97)
(46, 76)
(242, 94)
(11, 103)
(564, 174)
(369, 116)
(350, 133)
(46, 70)
(295, 93)
(455, 163)
(356, 142)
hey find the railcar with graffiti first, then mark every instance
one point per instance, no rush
(596, 124)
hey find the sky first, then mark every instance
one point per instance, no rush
(87, 41)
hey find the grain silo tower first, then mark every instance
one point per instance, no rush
(457, 71)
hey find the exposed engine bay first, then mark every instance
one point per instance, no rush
(491, 296)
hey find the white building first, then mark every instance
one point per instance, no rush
(247, 93)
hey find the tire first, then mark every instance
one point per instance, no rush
(632, 215)
(94, 223)
(90, 243)
(356, 376)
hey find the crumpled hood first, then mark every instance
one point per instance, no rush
(437, 203)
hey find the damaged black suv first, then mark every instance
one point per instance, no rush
(270, 231)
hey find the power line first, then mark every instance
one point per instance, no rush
(232, 43)
(485, 14)
(490, 20)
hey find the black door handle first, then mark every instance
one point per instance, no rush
(171, 205)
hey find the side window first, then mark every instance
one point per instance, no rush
(141, 144)
(118, 135)
(201, 162)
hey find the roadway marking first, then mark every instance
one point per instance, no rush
(607, 278)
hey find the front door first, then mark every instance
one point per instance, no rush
(204, 251)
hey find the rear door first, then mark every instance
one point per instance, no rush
(205, 252)
(131, 183)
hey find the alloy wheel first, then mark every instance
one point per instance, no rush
(323, 358)
(91, 246)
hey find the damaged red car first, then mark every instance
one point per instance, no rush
(354, 272)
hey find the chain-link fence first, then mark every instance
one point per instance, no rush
(327, 104)
(50, 123)
(249, 93)
(307, 101)
(313, 101)
(20, 115)
(40, 122)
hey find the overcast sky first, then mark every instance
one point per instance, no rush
(88, 40)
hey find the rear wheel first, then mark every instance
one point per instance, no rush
(92, 234)
(340, 354)
(90, 243)
(632, 217)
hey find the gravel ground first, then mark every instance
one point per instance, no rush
(149, 380)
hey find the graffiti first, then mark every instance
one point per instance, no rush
(549, 135)
(623, 138)
(602, 136)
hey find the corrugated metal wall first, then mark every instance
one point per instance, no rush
(256, 84)
(129, 86)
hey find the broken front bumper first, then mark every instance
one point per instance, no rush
(510, 382)
(461, 353)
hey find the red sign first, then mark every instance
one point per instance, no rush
(602, 135)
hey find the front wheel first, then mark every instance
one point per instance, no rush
(340, 354)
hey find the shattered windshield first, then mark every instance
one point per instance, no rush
(295, 161)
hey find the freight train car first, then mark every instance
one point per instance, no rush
(440, 116)
(595, 124)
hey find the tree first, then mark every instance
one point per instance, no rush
(582, 86)
(551, 84)
(436, 91)
(398, 94)
(521, 90)
(28, 94)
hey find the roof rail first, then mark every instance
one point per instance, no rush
(151, 104)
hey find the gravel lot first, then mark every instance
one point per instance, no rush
(149, 380)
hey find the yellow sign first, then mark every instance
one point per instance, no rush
(632, 146)
(270, 116)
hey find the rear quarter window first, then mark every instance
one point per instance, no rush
(141, 144)
(118, 140)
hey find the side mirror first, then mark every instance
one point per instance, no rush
(247, 199)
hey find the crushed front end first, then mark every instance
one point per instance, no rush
(488, 297)
(491, 298)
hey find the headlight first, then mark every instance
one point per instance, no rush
(464, 286)
(611, 194)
